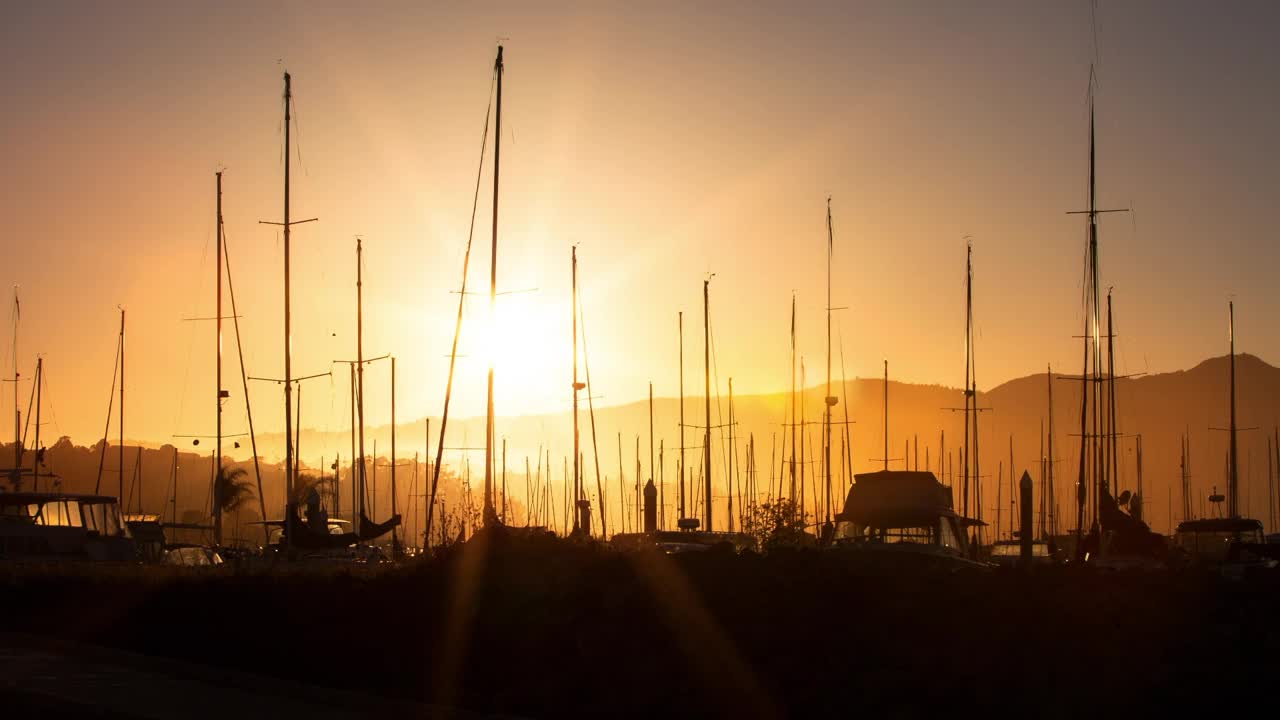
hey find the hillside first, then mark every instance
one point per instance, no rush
(1158, 407)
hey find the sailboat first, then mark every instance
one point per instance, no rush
(55, 525)
(317, 533)
(1235, 543)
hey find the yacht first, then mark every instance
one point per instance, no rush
(905, 518)
(40, 525)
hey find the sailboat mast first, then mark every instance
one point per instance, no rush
(968, 367)
(360, 485)
(489, 515)
(17, 410)
(706, 371)
(217, 321)
(651, 467)
(793, 401)
(1235, 475)
(288, 331)
(830, 399)
(1051, 495)
(886, 414)
(1097, 305)
(120, 465)
(683, 514)
(729, 475)
(1112, 475)
(577, 485)
(395, 537)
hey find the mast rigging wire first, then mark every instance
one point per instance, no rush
(453, 353)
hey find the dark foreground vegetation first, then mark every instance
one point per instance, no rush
(547, 628)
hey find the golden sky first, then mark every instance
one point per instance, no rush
(666, 141)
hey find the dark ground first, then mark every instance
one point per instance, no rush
(544, 628)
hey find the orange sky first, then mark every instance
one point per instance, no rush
(666, 141)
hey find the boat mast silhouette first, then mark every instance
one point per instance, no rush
(457, 329)
(683, 511)
(490, 517)
(290, 470)
(218, 391)
(1091, 383)
(582, 508)
(830, 400)
(706, 345)
(591, 412)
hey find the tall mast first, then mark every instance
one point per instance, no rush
(830, 399)
(1182, 465)
(395, 537)
(1112, 477)
(217, 465)
(651, 467)
(17, 410)
(288, 331)
(453, 353)
(793, 400)
(706, 369)
(1050, 494)
(120, 464)
(1044, 489)
(489, 515)
(290, 469)
(729, 477)
(1275, 449)
(360, 485)
(1234, 505)
(1013, 490)
(682, 513)
(968, 367)
(886, 414)
(577, 485)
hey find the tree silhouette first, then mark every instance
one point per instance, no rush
(303, 485)
(234, 488)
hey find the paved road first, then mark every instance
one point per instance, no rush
(55, 679)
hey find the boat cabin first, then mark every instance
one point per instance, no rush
(903, 511)
(39, 525)
(1210, 540)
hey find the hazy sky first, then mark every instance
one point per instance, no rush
(666, 141)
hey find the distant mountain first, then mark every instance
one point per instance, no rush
(1159, 408)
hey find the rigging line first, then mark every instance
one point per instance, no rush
(457, 332)
(30, 401)
(52, 411)
(715, 373)
(102, 455)
(244, 379)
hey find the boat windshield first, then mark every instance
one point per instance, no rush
(1015, 550)
(949, 538)
(60, 513)
(104, 518)
(1214, 544)
(918, 535)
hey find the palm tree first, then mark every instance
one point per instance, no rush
(303, 485)
(234, 488)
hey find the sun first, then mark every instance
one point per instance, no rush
(529, 345)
